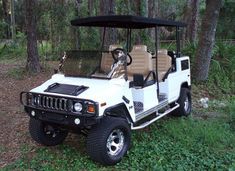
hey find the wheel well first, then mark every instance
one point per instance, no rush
(118, 110)
(185, 85)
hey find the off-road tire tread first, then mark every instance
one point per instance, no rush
(36, 132)
(99, 133)
(180, 110)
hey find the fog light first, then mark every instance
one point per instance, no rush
(77, 121)
(33, 113)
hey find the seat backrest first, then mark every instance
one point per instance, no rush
(107, 59)
(141, 61)
(164, 63)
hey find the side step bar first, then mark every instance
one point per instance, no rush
(154, 119)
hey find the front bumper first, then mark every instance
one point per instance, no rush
(55, 109)
(62, 119)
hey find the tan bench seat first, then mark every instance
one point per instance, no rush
(164, 63)
(141, 61)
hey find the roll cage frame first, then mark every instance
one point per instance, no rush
(130, 22)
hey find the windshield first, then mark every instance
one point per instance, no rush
(87, 64)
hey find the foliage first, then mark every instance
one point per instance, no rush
(231, 113)
(222, 67)
(190, 50)
(226, 21)
(10, 49)
(3, 27)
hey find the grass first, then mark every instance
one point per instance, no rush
(170, 144)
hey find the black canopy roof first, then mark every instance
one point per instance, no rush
(124, 21)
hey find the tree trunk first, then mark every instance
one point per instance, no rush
(13, 27)
(52, 27)
(140, 10)
(6, 17)
(75, 30)
(153, 11)
(206, 40)
(138, 7)
(186, 19)
(33, 64)
(107, 8)
(191, 18)
(192, 33)
(90, 7)
(112, 38)
(145, 8)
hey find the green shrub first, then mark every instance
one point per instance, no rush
(15, 49)
(222, 68)
(231, 112)
(218, 77)
(190, 50)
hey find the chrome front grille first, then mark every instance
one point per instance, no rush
(49, 102)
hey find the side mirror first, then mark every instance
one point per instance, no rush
(138, 80)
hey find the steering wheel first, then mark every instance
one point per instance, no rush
(120, 54)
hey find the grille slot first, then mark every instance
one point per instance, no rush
(49, 102)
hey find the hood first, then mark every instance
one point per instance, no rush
(91, 88)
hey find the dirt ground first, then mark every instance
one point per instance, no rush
(13, 120)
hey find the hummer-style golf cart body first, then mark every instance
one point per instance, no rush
(106, 94)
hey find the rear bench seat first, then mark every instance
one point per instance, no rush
(164, 63)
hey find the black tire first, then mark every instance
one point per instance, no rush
(184, 109)
(46, 134)
(98, 147)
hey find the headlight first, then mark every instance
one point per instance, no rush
(77, 107)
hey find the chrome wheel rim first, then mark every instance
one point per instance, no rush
(186, 104)
(50, 131)
(115, 142)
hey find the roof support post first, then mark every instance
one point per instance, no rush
(128, 40)
(178, 41)
(156, 48)
(103, 39)
(128, 44)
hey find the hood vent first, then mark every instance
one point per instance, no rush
(67, 89)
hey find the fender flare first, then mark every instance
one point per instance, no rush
(184, 85)
(118, 110)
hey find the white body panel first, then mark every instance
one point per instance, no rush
(100, 90)
(147, 95)
(112, 91)
(171, 86)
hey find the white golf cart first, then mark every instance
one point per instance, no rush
(106, 94)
